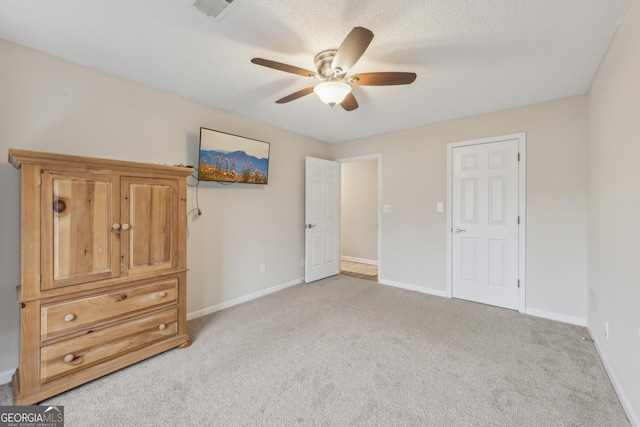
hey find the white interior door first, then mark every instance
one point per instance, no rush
(485, 223)
(322, 219)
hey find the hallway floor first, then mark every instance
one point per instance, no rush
(359, 270)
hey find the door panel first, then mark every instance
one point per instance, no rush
(469, 187)
(78, 213)
(469, 256)
(322, 215)
(149, 222)
(485, 223)
(497, 201)
(496, 262)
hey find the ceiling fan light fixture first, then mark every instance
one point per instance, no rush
(332, 93)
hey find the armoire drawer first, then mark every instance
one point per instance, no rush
(75, 354)
(67, 315)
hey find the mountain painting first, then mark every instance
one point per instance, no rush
(230, 158)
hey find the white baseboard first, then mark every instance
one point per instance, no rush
(436, 292)
(634, 418)
(360, 260)
(579, 321)
(5, 377)
(222, 306)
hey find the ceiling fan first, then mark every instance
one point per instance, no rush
(332, 67)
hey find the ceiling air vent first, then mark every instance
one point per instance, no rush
(216, 9)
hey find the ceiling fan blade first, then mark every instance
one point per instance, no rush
(283, 67)
(349, 103)
(352, 48)
(382, 79)
(295, 95)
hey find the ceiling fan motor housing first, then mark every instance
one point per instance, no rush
(324, 61)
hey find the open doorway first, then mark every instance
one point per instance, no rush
(359, 217)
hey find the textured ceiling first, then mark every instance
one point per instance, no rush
(471, 56)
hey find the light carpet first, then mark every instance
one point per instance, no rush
(345, 351)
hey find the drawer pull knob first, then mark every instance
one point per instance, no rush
(115, 226)
(162, 294)
(69, 317)
(125, 226)
(162, 327)
(72, 359)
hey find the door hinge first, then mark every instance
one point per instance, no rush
(518, 220)
(518, 282)
(518, 156)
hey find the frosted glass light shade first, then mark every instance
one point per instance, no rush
(332, 93)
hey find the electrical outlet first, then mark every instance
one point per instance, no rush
(606, 329)
(301, 262)
(263, 268)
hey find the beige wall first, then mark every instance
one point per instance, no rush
(48, 104)
(359, 210)
(413, 240)
(614, 209)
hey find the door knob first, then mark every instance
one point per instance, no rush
(459, 230)
(310, 225)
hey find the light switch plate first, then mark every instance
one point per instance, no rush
(439, 207)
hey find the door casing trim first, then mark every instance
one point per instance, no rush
(522, 211)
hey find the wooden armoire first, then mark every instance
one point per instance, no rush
(103, 268)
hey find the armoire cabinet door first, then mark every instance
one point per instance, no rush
(80, 237)
(149, 224)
